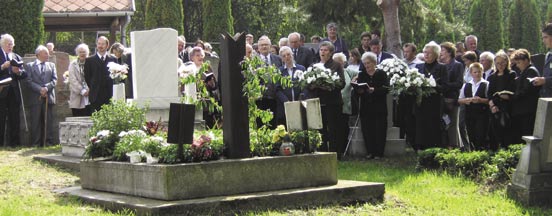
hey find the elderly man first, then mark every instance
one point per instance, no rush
(546, 80)
(42, 79)
(487, 60)
(50, 47)
(471, 45)
(249, 39)
(268, 100)
(97, 76)
(182, 53)
(302, 55)
(10, 97)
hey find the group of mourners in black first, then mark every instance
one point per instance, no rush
(482, 100)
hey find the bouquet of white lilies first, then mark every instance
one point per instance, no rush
(318, 77)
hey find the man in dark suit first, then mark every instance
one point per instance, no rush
(182, 53)
(10, 97)
(269, 96)
(303, 56)
(287, 94)
(42, 79)
(97, 76)
(546, 80)
(376, 48)
(365, 38)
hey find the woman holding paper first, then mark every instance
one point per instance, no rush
(501, 88)
(372, 86)
(526, 95)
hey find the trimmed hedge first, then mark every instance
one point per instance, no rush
(488, 167)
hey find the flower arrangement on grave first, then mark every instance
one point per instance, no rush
(101, 144)
(66, 77)
(117, 72)
(412, 83)
(318, 77)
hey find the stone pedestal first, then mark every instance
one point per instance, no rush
(73, 135)
(532, 180)
(208, 179)
(357, 147)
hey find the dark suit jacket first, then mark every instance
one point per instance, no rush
(330, 97)
(6, 73)
(384, 55)
(276, 60)
(127, 59)
(546, 90)
(439, 73)
(37, 81)
(455, 72)
(285, 95)
(97, 78)
(305, 56)
(375, 102)
(526, 94)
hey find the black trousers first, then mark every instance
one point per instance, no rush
(522, 125)
(81, 112)
(374, 132)
(9, 109)
(333, 132)
(477, 125)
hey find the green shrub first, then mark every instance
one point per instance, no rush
(503, 164)
(306, 141)
(426, 158)
(118, 116)
(101, 145)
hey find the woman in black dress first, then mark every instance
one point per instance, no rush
(372, 87)
(501, 86)
(429, 125)
(526, 95)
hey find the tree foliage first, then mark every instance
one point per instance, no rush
(217, 19)
(164, 14)
(193, 19)
(487, 22)
(549, 12)
(23, 20)
(525, 25)
(138, 20)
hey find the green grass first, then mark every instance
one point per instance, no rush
(26, 188)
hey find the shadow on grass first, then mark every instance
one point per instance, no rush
(30, 151)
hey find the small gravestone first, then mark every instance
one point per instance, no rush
(235, 125)
(154, 68)
(532, 180)
(303, 115)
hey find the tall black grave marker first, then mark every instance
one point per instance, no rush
(235, 125)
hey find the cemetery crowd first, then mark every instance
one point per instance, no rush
(482, 100)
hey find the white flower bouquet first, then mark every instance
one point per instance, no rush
(117, 72)
(318, 77)
(393, 66)
(412, 83)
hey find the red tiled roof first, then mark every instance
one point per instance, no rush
(87, 6)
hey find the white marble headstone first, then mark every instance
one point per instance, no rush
(154, 67)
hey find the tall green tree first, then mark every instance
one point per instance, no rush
(24, 21)
(549, 13)
(217, 19)
(486, 19)
(164, 14)
(193, 20)
(138, 20)
(525, 26)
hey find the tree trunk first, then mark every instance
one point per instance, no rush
(390, 10)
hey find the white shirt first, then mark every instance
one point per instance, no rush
(475, 87)
(467, 75)
(487, 74)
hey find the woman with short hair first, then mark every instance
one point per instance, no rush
(372, 87)
(526, 95)
(78, 89)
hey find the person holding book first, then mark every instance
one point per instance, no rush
(501, 88)
(372, 85)
(10, 97)
(474, 95)
(526, 95)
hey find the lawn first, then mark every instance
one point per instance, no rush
(26, 189)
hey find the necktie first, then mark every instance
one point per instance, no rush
(379, 58)
(294, 53)
(548, 57)
(42, 67)
(103, 58)
(266, 60)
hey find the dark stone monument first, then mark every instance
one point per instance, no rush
(181, 126)
(236, 124)
(532, 180)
